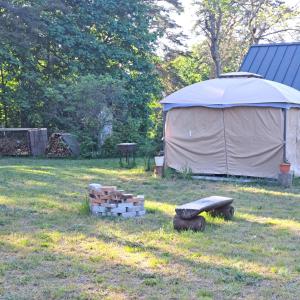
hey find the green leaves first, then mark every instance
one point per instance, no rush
(64, 62)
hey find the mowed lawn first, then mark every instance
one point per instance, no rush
(51, 249)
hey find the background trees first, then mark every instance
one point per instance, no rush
(84, 66)
(55, 55)
(229, 27)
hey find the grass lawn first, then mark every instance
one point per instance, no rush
(50, 249)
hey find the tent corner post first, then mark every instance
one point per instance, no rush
(164, 139)
(284, 133)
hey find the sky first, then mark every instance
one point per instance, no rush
(187, 19)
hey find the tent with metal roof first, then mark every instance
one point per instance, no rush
(238, 124)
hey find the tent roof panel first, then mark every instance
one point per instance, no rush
(234, 91)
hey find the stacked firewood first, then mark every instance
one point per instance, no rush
(13, 146)
(57, 147)
(109, 201)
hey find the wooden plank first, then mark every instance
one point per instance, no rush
(38, 141)
(192, 209)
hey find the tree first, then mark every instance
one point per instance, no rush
(90, 106)
(47, 46)
(216, 18)
(185, 69)
(265, 20)
(231, 26)
(171, 38)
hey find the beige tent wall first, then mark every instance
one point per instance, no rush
(194, 139)
(254, 138)
(236, 141)
(293, 139)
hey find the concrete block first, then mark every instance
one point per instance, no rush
(140, 213)
(136, 208)
(94, 187)
(116, 214)
(129, 214)
(119, 209)
(109, 205)
(285, 179)
(125, 205)
(97, 209)
(99, 214)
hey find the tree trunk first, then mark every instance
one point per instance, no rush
(3, 97)
(215, 54)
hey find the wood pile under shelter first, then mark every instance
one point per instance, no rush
(63, 145)
(109, 201)
(23, 141)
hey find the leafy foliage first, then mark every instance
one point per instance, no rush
(186, 69)
(64, 64)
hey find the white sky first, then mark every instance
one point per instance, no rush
(187, 19)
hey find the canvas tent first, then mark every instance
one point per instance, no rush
(238, 124)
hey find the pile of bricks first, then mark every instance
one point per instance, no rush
(109, 201)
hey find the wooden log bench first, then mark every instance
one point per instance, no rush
(187, 215)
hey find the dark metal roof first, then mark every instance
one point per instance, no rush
(277, 62)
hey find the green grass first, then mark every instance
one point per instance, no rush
(50, 248)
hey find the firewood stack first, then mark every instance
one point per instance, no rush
(57, 147)
(109, 201)
(14, 146)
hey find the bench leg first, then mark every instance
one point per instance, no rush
(226, 212)
(196, 224)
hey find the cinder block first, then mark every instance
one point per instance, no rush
(94, 187)
(96, 214)
(97, 209)
(119, 209)
(136, 208)
(109, 205)
(125, 205)
(140, 213)
(285, 179)
(116, 214)
(129, 214)
(141, 197)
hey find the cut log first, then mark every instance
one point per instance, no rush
(196, 224)
(226, 212)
